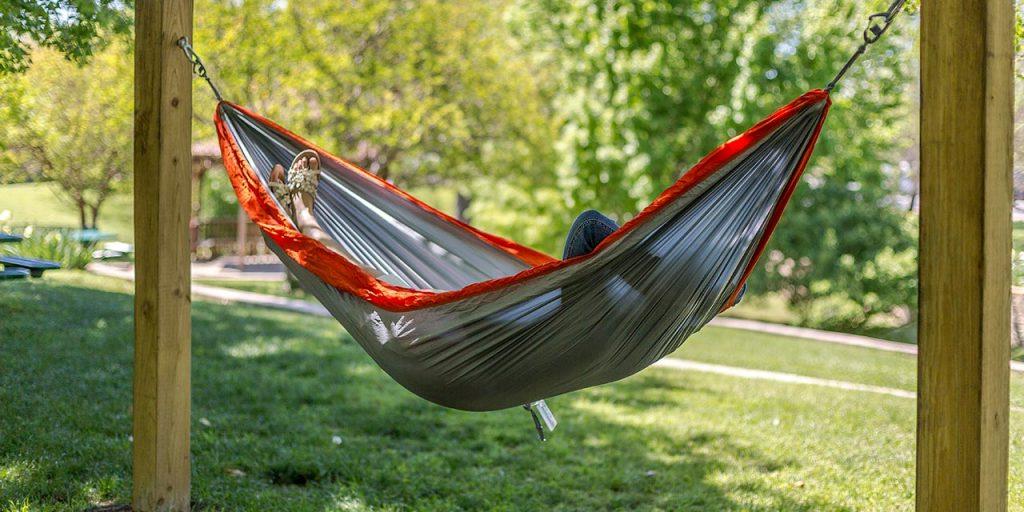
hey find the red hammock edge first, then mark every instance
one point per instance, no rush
(338, 271)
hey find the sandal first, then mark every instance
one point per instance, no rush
(298, 178)
(302, 179)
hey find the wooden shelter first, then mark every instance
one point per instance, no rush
(205, 155)
(966, 191)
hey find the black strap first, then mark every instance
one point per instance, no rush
(536, 422)
(197, 65)
(878, 24)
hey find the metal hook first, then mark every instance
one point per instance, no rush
(197, 65)
(878, 24)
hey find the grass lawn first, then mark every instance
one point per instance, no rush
(750, 349)
(290, 414)
(38, 204)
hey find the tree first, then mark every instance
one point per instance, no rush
(845, 253)
(425, 94)
(75, 28)
(646, 88)
(640, 83)
(417, 92)
(71, 124)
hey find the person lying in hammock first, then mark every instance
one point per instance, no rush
(296, 191)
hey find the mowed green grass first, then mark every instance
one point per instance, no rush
(290, 414)
(39, 204)
(749, 349)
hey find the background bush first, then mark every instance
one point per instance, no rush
(53, 245)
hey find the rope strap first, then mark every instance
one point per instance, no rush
(197, 65)
(878, 24)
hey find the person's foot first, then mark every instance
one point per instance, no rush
(295, 188)
(303, 179)
(279, 187)
(299, 185)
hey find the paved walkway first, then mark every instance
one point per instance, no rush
(814, 334)
(225, 295)
(789, 378)
(827, 336)
(313, 308)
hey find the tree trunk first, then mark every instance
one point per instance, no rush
(94, 213)
(81, 215)
(462, 203)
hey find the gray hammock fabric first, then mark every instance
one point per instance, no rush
(465, 322)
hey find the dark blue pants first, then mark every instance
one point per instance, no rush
(589, 229)
(586, 232)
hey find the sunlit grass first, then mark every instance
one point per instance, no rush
(38, 204)
(290, 414)
(750, 349)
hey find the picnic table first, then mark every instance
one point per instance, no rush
(34, 266)
(90, 236)
(9, 238)
(17, 267)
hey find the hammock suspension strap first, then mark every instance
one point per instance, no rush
(878, 24)
(542, 418)
(197, 65)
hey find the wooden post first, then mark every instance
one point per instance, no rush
(966, 190)
(163, 116)
(241, 232)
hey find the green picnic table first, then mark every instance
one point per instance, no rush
(90, 236)
(34, 267)
(17, 267)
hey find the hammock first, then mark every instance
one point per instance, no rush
(474, 321)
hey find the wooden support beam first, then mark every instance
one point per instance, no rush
(966, 191)
(163, 132)
(241, 232)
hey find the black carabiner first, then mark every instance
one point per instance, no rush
(878, 24)
(197, 65)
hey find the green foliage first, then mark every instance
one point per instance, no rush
(845, 251)
(75, 28)
(539, 109)
(646, 88)
(272, 391)
(53, 245)
(528, 212)
(418, 92)
(218, 197)
(1018, 269)
(637, 87)
(70, 124)
(39, 204)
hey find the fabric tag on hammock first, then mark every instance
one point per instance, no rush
(545, 414)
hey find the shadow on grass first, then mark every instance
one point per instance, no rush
(289, 414)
